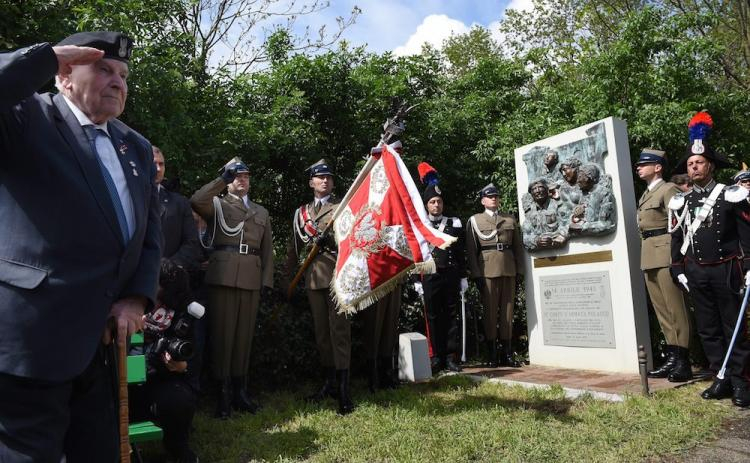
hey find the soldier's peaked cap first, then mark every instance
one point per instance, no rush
(489, 190)
(319, 168)
(741, 176)
(115, 45)
(652, 156)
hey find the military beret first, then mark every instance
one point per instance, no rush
(115, 45)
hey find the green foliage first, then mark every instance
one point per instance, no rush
(561, 65)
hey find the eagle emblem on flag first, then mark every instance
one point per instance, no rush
(382, 233)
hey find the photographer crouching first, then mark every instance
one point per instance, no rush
(169, 395)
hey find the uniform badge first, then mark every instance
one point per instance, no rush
(437, 190)
(122, 52)
(698, 147)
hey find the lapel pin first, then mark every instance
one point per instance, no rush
(135, 172)
(123, 149)
(132, 164)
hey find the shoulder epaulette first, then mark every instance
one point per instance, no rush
(677, 202)
(735, 193)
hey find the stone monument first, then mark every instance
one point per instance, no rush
(585, 297)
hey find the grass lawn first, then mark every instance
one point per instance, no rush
(453, 419)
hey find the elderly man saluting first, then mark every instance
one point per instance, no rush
(81, 245)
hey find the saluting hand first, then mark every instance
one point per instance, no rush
(71, 55)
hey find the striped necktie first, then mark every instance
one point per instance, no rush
(92, 133)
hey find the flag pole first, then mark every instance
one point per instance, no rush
(392, 127)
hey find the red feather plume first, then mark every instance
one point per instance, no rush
(423, 168)
(701, 117)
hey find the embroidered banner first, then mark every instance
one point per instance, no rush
(382, 233)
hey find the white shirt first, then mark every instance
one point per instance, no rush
(492, 214)
(655, 183)
(108, 157)
(322, 201)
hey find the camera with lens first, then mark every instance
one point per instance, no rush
(177, 340)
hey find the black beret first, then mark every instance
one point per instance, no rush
(115, 45)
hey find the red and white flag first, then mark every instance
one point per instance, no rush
(382, 233)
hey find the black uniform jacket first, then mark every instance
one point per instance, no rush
(723, 235)
(450, 262)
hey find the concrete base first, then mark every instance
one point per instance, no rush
(600, 385)
(413, 358)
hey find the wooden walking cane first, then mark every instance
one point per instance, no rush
(122, 373)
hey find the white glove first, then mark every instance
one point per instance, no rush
(683, 281)
(747, 279)
(418, 288)
(465, 284)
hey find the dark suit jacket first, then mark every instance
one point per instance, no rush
(63, 260)
(180, 236)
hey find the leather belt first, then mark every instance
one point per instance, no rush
(651, 233)
(495, 247)
(240, 249)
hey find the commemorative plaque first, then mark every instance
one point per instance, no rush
(585, 294)
(577, 310)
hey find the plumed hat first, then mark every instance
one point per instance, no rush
(429, 176)
(699, 129)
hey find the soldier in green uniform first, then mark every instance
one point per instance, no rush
(494, 257)
(655, 262)
(380, 338)
(332, 330)
(238, 269)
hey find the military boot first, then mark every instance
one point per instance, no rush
(346, 405)
(682, 371)
(720, 389)
(241, 400)
(223, 404)
(329, 389)
(492, 353)
(507, 359)
(740, 392)
(667, 366)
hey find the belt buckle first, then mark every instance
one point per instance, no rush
(243, 248)
(500, 247)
